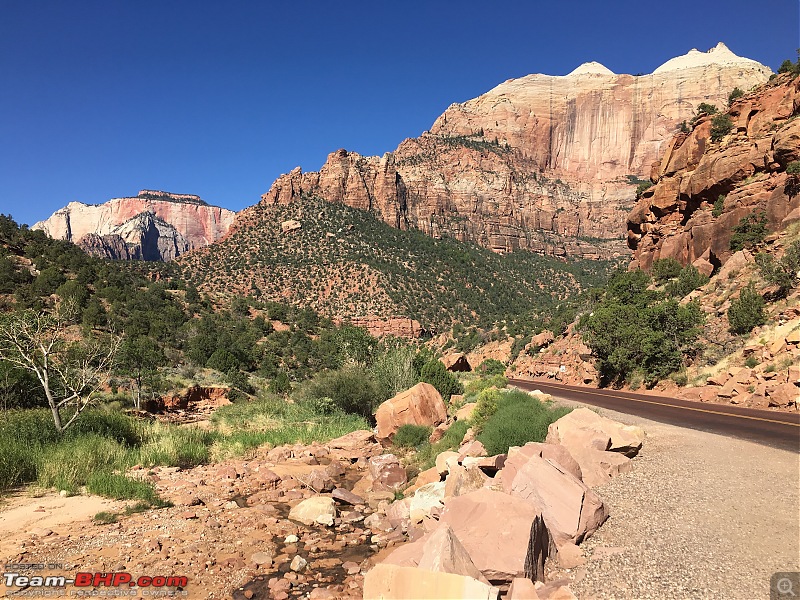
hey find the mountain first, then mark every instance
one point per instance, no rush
(723, 217)
(545, 163)
(346, 264)
(152, 226)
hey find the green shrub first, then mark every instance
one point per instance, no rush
(447, 384)
(719, 206)
(518, 419)
(734, 95)
(665, 269)
(721, 125)
(393, 372)
(642, 188)
(785, 273)
(351, 388)
(751, 361)
(476, 386)
(689, 279)
(411, 436)
(704, 108)
(491, 366)
(487, 402)
(793, 168)
(751, 230)
(183, 447)
(746, 311)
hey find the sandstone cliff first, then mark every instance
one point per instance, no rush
(743, 173)
(546, 163)
(153, 225)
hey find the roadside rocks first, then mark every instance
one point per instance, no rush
(419, 405)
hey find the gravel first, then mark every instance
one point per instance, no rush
(700, 516)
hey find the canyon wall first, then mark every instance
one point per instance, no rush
(705, 187)
(153, 225)
(546, 163)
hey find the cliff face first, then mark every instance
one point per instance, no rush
(677, 217)
(151, 226)
(546, 163)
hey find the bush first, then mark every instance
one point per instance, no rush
(785, 273)
(411, 436)
(721, 125)
(476, 386)
(69, 464)
(746, 311)
(642, 188)
(734, 95)
(393, 372)
(120, 487)
(447, 384)
(518, 419)
(351, 388)
(793, 168)
(487, 402)
(665, 269)
(704, 108)
(491, 366)
(750, 231)
(689, 279)
(719, 206)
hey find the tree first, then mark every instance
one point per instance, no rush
(721, 125)
(746, 311)
(735, 93)
(139, 359)
(68, 371)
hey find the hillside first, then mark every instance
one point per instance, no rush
(545, 163)
(345, 263)
(153, 225)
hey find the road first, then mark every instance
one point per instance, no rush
(777, 429)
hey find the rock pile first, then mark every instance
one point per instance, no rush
(484, 527)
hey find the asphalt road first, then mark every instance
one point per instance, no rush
(777, 429)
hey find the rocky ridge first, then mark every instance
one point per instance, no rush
(153, 225)
(545, 163)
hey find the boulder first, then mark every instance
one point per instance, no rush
(315, 510)
(347, 497)
(438, 432)
(443, 552)
(474, 449)
(522, 589)
(419, 405)
(570, 509)
(387, 473)
(444, 460)
(583, 427)
(463, 480)
(465, 412)
(505, 536)
(392, 582)
(425, 499)
(598, 467)
(556, 453)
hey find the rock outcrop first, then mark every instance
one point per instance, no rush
(705, 187)
(545, 163)
(151, 226)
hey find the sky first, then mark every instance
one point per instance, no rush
(101, 99)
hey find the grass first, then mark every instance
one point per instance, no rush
(411, 436)
(105, 443)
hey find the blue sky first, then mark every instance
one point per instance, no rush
(101, 99)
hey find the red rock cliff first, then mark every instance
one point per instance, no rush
(541, 162)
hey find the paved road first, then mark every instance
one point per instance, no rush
(778, 429)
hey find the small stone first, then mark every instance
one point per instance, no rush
(291, 539)
(248, 594)
(298, 563)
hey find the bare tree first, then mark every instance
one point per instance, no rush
(68, 370)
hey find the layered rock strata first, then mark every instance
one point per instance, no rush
(153, 225)
(544, 163)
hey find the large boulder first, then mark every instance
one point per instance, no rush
(419, 405)
(556, 453)
(315, 510)
(426, 499)
(570, 509)
(584, 428)
(386, 473)
(392, 582)
(505, 536)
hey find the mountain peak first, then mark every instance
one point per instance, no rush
(591, 68)
(718, 55)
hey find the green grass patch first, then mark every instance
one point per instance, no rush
(411, 436)
(518, 419)
(121, 487)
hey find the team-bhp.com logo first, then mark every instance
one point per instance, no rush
(149, 585)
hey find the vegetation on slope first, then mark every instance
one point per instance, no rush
(345, 262)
